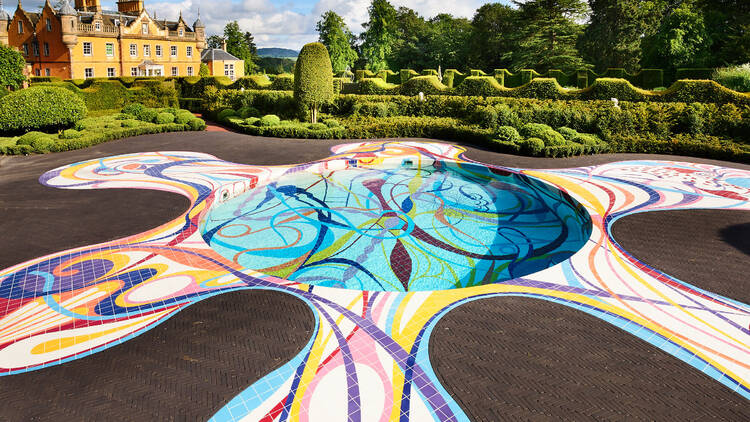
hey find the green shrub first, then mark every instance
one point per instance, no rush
(148, 115)
(164, 118)
(429, 85)
(269, 120)
(183, 116)
(486, 117)
(480, 86)
(331, 123)
(318, 126)
(507, 134)
(197, 124)
(375, 86)
(567, 132)
(225, 114)
(372, 109)
(252, 82)
(283, 82)
(134, 109)
(70, 134)
(12, 65)
(406, 74)
(543, 132)
(313, 78)
(736, 78)
(252, 120)
(129, 123)
(29, 137)
(532, 146)
(40, 108)
(106, 95)
(246, 112)
(567, 150)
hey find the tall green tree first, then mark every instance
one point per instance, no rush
(492, 44)
(379, 36)
(728, 25)
(336, 36)
(237, 45)
(549, 31)
(447, 42)
(410, 49)
(613, 35)
(215, 41)
(12, 64)
(682, 40)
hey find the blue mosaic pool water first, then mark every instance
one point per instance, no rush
(438, 227)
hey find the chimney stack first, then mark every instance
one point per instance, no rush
(224, 45)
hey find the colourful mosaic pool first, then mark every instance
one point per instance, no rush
(442, 225)
(368, 356)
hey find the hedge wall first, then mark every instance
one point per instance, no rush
(114, 93)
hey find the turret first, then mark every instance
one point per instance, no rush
(200, 33)
(89, 5)
(69, 23)
(4, 22)
(132, 7)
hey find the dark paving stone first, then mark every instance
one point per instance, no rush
(528, 359)
(184, 369)
(706, 248)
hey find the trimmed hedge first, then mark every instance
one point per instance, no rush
(429, 85)
(42, 108)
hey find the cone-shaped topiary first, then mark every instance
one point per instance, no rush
(313, 78)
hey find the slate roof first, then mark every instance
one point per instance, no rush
(213, 54)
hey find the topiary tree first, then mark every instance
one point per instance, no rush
(204, 72)
(40, 108)
(313, 78)
(11, 68)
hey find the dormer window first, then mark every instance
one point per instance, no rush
(181, 32)
(98, 26)
(144, 28)
(49, 25)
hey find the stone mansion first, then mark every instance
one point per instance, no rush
(86, 41)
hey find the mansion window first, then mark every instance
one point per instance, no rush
(133, 50)
(173, 50)
(26, 49)
(47, 72)
(144, 28)
(158, 51)
(38, 72)
(190, 71)
(174, 71)
(49, 25)
(146, 50)
(87, 49)
(35, 47)
(190, 51)
(110, 49)
(46, 49)
(98, 26)
(20, 27)
(88, 72)
(181, 32)
(133, 71)
(110, 72)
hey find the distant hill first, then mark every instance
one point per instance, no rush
(277, 52)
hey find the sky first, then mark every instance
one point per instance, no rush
(277, 23)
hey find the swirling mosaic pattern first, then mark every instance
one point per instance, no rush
(405, 228)
(368, 357)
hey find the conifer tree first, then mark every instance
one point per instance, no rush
(549, 31)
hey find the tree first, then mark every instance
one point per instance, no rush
(491, 44)
(237, 45)
(613, 36)
(728, 26)
(682, 40)
(313, 78)
(447, 42)
(204, 72)
(215, 41)
(335, 35)
(380, 35)
(12, 65)
(409, 49)
(548, 34)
